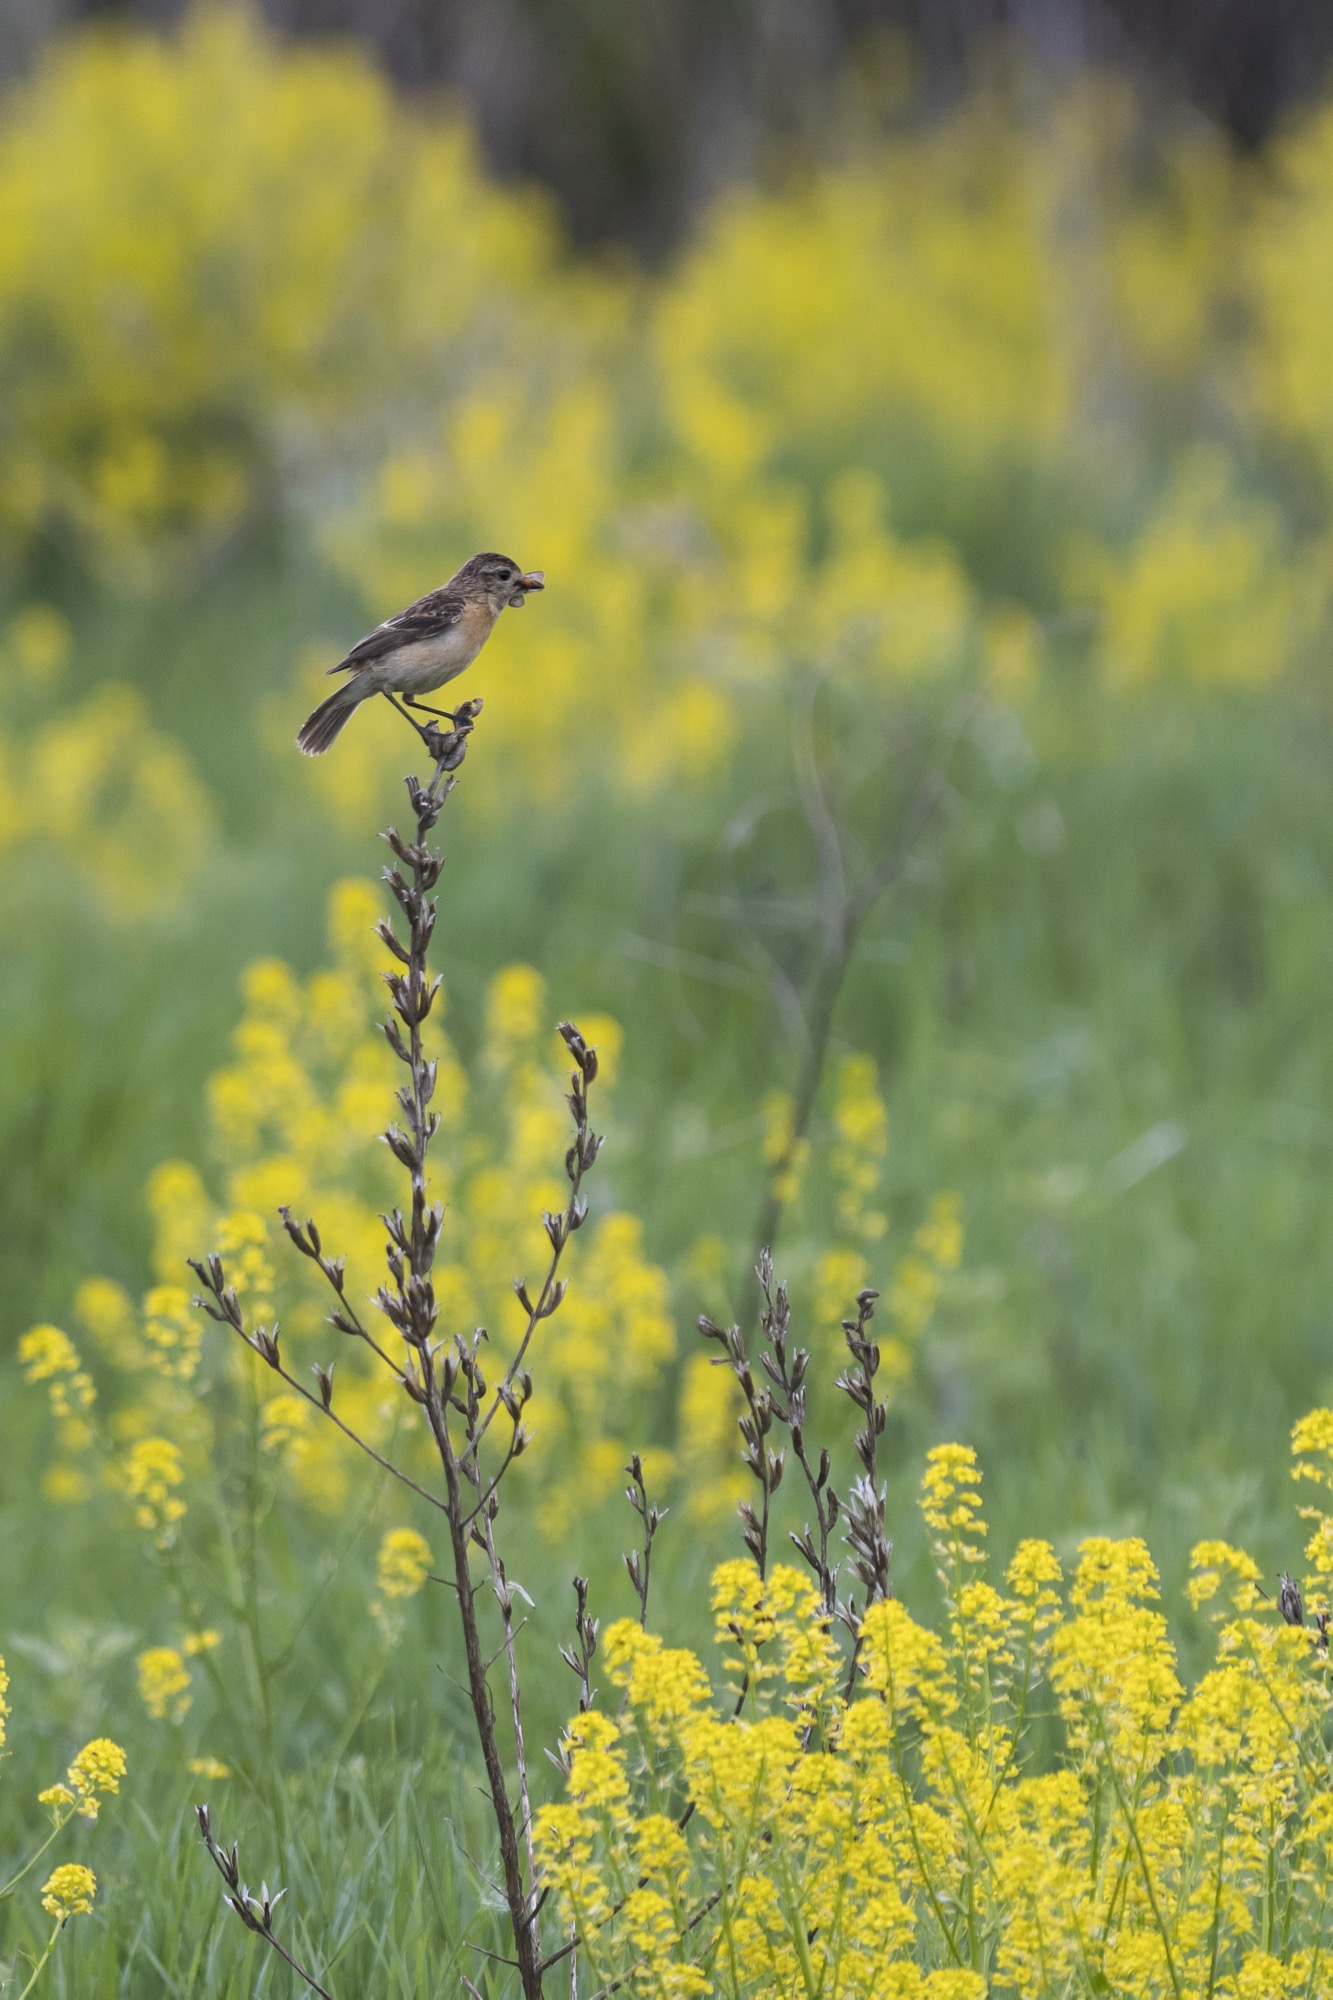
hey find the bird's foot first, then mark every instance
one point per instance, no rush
(448, 746)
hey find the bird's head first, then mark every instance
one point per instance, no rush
(499, 580)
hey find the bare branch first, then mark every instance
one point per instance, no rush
(639, 1565)
(255, 1912)
(579, 1657)
(264, 1344)
(765, 1464)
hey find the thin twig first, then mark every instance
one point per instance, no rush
(255, 1912)
(787, 1371)
(764, 1464)
(639, 1565)
(225, 1307)
(579, 1657)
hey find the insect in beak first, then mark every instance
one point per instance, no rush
(533, 579)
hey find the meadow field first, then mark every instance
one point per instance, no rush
(914, 781)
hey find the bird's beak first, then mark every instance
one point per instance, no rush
(532, 579)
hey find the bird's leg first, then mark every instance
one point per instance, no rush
(410, 719)
(445, 714)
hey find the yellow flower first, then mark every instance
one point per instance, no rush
(283, 1419)
(97, 1770)
(243, 1240)
(862, 1126)
(839, 1276)
(123, 798)
(1208, 591)
(665, 1686)
(787, 1155)
(106, 1311)
(48, 1355)
(597, 1775)
(173, 1330)
(951, 1509)
(1311, 1439)
(69, 1891)
(940, 1236)
(164, 1683)
(153, 1470)
(1216, 1566)
(515, 1010)
(403, 1563)
(208, 1767)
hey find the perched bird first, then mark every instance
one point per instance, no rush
(423, 647)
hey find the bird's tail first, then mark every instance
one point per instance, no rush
(320, 728)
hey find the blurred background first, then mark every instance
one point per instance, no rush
(635, 119)
(918, 764)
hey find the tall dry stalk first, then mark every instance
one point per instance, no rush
(476, 1427)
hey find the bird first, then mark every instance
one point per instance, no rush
(421, 648)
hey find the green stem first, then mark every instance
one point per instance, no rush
(33, 1859)
(40, 1966)
(1131, 1820)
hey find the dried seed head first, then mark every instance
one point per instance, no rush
(1289, 1599)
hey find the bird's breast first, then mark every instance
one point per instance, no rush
(427, 663)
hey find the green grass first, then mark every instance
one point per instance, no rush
(1100, 1005)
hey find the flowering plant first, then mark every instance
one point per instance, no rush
(69, 1890)
(1023, 1800)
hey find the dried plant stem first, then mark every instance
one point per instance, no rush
(639, 1565)
(526, 1943)
(445, 1379)
(504, 1593)
(264, 1343)
(255, 1912)
(579, 1657)
(764, 1464)
(787, 1370)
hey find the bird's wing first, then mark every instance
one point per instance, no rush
(436, 612)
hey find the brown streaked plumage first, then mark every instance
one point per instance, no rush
(423, 647)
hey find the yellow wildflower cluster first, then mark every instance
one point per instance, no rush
(69, 1891)
(153, 1470)
(296, 1117)
(211, 1768)
(403, 1563)
(146, 393)
(906, 1831)
(118, 800)
(915, 319)
(401, 1569)
(857, 1154)
(48, 1355)
(835, 377)
(97, 1770)
(862, 1127)
(164, 1684)
(95, 1774)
